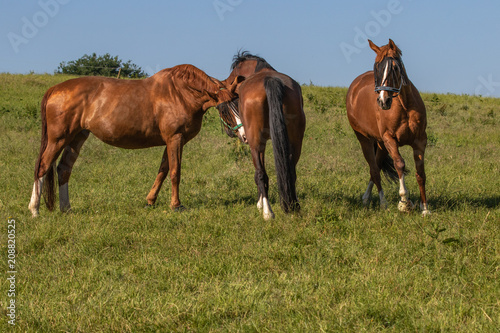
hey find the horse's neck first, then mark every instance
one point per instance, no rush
(267, 70)
(234, 74)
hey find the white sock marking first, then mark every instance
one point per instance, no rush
(34, 205)
(403, 192)
(268, 212)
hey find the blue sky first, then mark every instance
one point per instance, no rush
(448, 46)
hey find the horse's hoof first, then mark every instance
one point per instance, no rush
(67, 210)
(405, 206)
(425, 210)
(268, 216)
(366, 200)
(295, 207)
(179, 209)
(150, 206)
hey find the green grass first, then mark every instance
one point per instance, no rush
(112, 265)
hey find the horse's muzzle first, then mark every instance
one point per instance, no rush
(384, 103)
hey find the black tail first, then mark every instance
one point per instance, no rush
(285, 169)
(48, 187)
(388, 168)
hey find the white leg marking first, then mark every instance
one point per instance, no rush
(403, 192)
(64, 204)
(383, 202)
(368, 194)
(268, 212)
(405, 204)
(259, 203)
(425, 210)
(34, 205)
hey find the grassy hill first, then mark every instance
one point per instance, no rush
(112, 265)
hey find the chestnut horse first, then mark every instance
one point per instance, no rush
(270, 106)
(165, 109)
(385, 111)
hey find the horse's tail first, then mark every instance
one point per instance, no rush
(388, 168)
(48, 187)
(285, 168)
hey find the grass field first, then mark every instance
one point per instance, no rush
(113, 266)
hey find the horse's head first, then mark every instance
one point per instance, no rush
(229, 112)
(231, 120)
(224, 93)
(389, 71)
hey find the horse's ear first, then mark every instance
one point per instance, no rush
(235, 85)
(392, 44)
(373, 46)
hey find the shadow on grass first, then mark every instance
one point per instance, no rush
(447, 202)
(352, 201)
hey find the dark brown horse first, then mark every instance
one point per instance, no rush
(165, 109)
(270, 106)
(386, 111)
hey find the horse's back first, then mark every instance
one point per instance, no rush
(253, 94)
(81, 92)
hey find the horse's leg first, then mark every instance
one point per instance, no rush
(262, 182)
(68, 158)
(404, 204)
(45, 162)
(375, 179)
(418, 156)
(380, 157)
(34, 205)
(367, 196)
(162, 174)
(295, 139)
(295, 159)
(174, 152)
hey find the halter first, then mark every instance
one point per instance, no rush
(234, 129)
(234, 110)
(390, 89)
(399, 65)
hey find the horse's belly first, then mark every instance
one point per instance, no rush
(128, 138)
(133, 142)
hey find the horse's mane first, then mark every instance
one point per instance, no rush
(242, 56)
(194, 77)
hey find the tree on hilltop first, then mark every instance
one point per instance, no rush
(105, 65)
